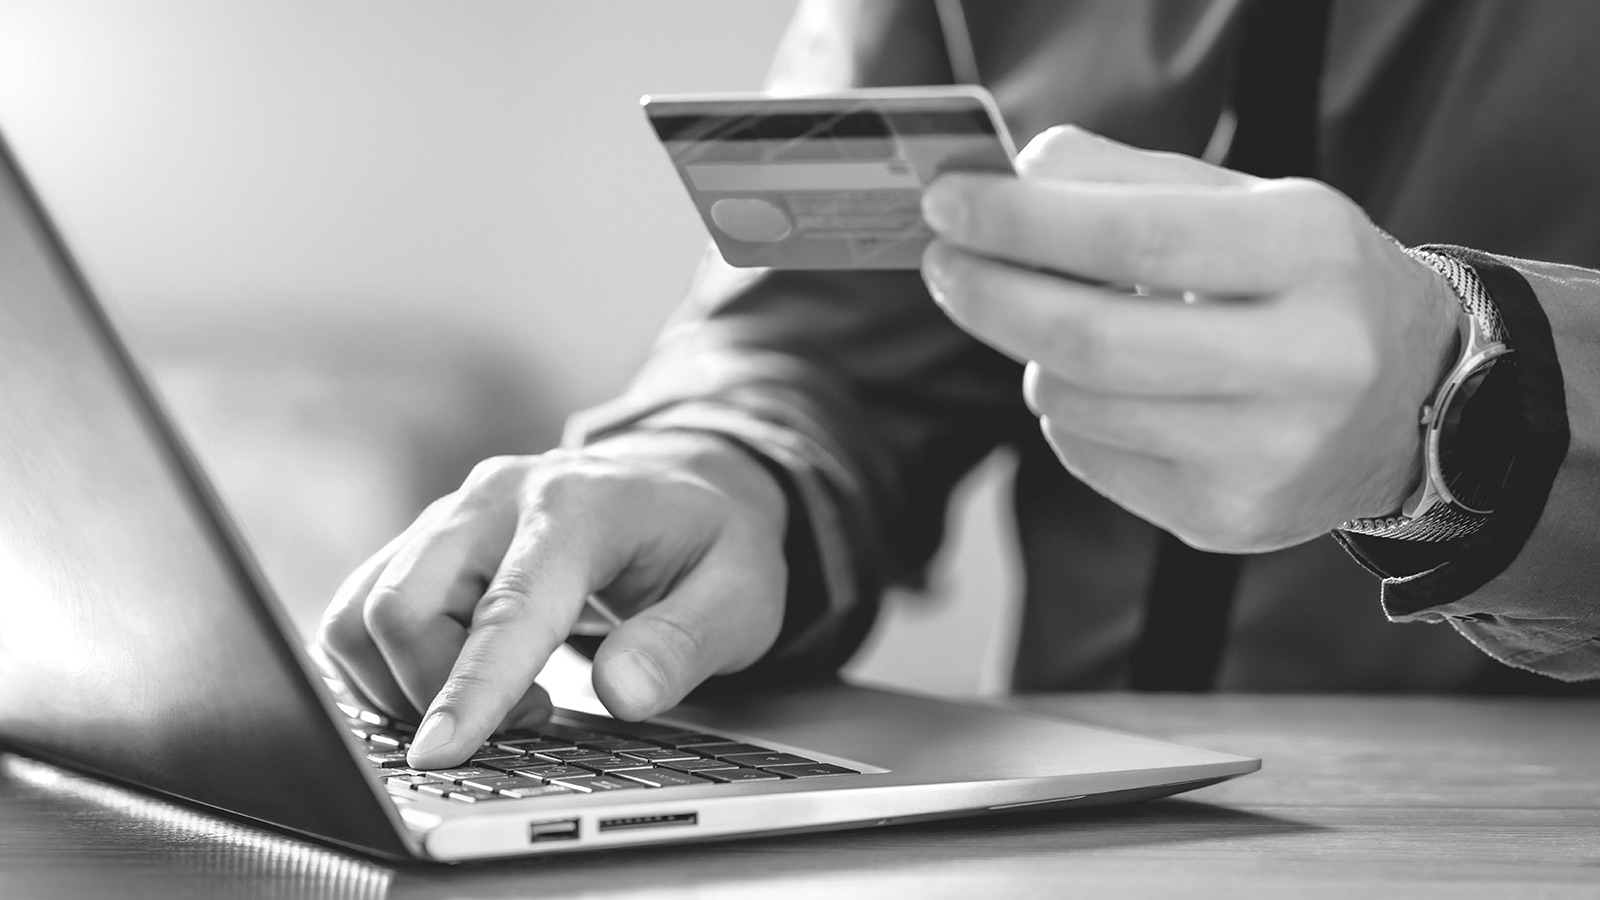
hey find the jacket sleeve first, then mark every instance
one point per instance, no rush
(852, 387)
(1525, 588)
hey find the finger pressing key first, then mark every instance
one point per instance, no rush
(525, 614)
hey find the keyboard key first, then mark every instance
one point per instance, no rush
(617, 745)
(498, 761)
(460, 774)
(531, 745)
(472, 795)
(388, 739)
(659, 755)
(435, 788)
(737, 775)
(688, 739)
(766, 760)
(364, 715)
(549, 773)
(534, 790)
(389, 759)
(730, 749)
(410, 780)
(662, 778)
(600, 784)
(572, 753)
(697, 765)
(610, 764)
(495, 782)
(811, 770)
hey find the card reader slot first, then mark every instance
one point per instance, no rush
(657, 821)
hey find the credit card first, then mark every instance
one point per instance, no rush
(826, 181)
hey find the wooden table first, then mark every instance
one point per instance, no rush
(1371, 797)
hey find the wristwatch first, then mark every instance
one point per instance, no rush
(1469, 431)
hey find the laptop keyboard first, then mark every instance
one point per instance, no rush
(560, 759)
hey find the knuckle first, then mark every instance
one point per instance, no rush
(386, 612)
(441, 506)
(564, 487)
(1042, 154)
(1319, 199)
(494, 472)
(508, 601)
(1052, 137)
(341, 632)
(1331, 220)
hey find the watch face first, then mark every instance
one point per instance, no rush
(1479, 434)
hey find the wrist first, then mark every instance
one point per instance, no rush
(1436, 349)
(1462, 427)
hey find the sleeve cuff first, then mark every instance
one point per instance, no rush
(1434, 582)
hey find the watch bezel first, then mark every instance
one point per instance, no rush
(1479, 363)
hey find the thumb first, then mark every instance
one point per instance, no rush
(1069, 153)
(720, 619)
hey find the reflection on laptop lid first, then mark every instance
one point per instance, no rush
(138, 641)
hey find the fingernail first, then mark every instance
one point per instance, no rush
(942, 208)
(636, 677)
(436, 731)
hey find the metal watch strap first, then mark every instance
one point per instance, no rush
(1469, 290)
(1441, 521)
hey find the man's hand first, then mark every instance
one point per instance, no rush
(458, 614)
(1279, 401)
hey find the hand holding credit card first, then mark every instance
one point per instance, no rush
(826, 181)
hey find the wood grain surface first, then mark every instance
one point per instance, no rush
(1370, 797)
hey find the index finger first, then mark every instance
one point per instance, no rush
(526, 613)
(1218, 239)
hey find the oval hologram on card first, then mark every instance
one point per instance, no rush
(751, 219)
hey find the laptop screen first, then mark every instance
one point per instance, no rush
(134, 640)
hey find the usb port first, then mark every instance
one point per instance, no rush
(559, 830)
(688, 818)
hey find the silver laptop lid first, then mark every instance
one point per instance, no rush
(136, 641)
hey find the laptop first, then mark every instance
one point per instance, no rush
(139, 643)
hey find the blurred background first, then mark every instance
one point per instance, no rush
(361, 245)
